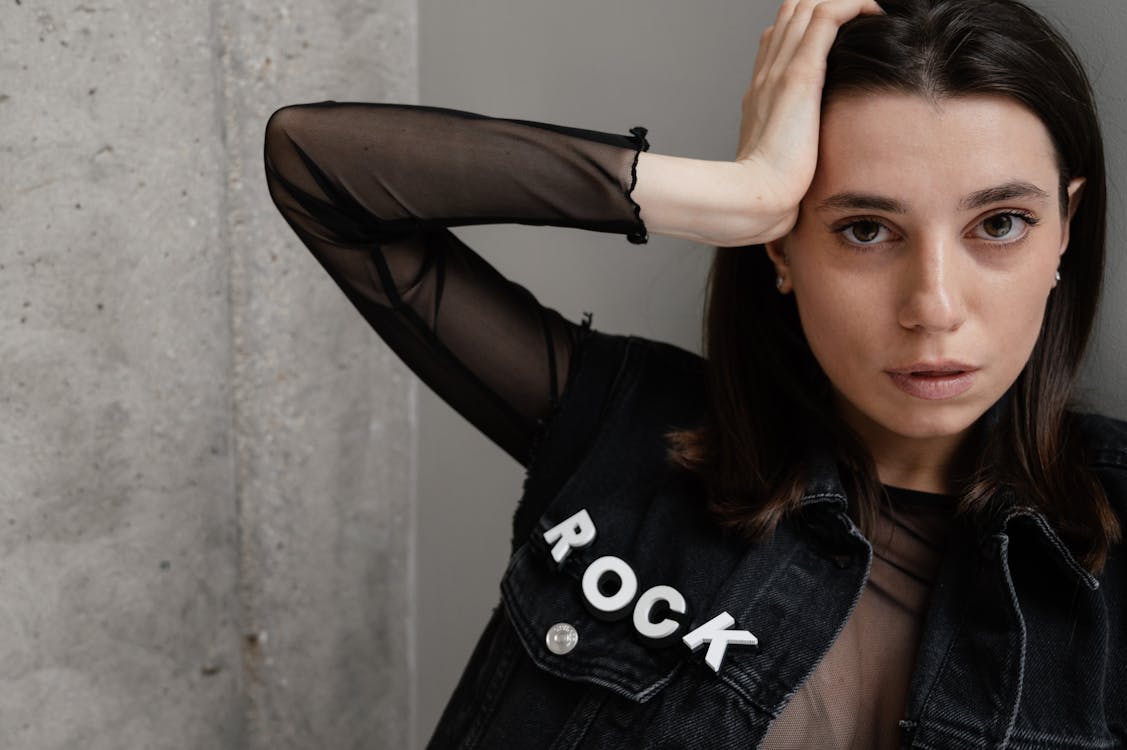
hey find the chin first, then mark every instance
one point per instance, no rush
(932, 422)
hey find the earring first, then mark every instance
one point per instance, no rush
(1057, 279)
(779, 283)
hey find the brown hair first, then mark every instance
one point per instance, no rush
(770, 399)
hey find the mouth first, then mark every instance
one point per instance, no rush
(934, 381)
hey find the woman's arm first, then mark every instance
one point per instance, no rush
(371, 190)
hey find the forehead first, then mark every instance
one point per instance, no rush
(913, 148)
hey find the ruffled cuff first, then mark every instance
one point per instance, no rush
(639, 235)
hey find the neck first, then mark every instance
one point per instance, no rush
(927, 464)
(918, 467)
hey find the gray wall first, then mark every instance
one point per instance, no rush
(206, 459)
(680, 69)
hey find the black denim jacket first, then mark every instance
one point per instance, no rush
(1021, 647)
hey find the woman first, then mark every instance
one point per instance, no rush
(867, 519)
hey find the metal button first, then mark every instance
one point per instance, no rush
(562, 638)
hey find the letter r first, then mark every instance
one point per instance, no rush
(577, 531)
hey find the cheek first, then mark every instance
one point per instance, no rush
(843, 317)
(1010, 310)
(1010, 299)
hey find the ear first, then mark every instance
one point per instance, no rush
(1075, 194)
(777, 252)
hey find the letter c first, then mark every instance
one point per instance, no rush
(643, 609)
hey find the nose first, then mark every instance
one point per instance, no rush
(932, 296)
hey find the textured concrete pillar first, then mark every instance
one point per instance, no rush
(205, 456)
(325, 437)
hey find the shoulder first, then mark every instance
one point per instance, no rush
(625, 367)
(1103, 442)
(666, 382)
(1104, 439)
(667, 364)
(623, 394)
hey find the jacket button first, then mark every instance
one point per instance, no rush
(562, 638)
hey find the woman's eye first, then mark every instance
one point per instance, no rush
(1005, 226)
(864, 232)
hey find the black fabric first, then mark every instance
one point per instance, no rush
(371, 189)
(901, 497)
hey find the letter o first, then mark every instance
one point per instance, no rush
(618, 602)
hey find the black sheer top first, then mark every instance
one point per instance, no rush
(370, 188)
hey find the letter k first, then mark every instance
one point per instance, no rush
(715, 632)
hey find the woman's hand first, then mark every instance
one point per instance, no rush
(755, 198)
(782, 107)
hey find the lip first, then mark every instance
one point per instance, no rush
(934, 380)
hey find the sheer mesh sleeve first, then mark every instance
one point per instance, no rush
(371, 189)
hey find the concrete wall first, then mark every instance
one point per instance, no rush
(680, 69)
(206, 456)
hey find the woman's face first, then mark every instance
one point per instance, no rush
(922, 261)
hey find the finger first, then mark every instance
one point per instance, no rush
(821, 30)
(829, 15)
(786, 10)
(790, 36)
(782, 20)
(761, 54)
(841, 11)
(803, 76)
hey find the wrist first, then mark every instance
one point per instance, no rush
(722, 203)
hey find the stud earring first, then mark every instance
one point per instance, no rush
(779, 283)
(1057, 278)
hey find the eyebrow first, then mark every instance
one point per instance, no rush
(863, 202)
(1009, 191)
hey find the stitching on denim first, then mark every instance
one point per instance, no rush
(938, 723)
(502, 671)
(746, 695)
(1070, 741)
(1016, 611)
(946, 728)
(580, 721)
(925, 702)
(1065, 554)
(824, 495)
(819, 498)
(941, 728)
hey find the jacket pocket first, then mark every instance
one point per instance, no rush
(543, 599)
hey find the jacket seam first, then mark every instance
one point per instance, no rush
(925, 703)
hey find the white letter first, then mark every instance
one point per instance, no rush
(610, 605)
(645, 605)
(715, 632)
(577, 531)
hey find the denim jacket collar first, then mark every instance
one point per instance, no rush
(824, 486)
